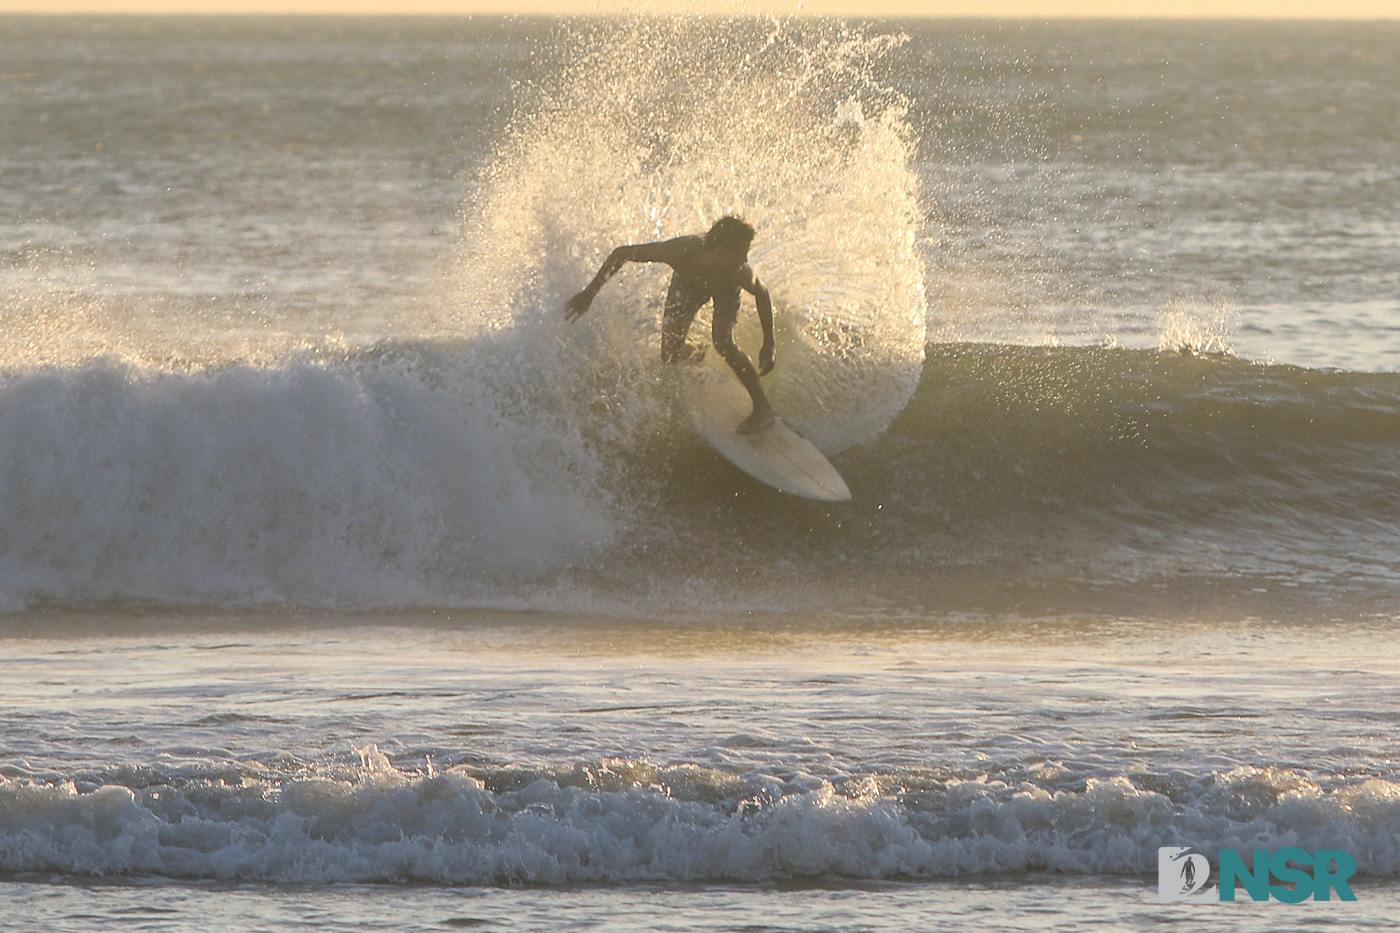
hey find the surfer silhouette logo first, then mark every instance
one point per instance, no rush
(713, 268)
(1181, 874)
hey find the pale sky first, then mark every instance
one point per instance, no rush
(1264, 9)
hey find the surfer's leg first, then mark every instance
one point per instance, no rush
(682, 301)
(726, 313)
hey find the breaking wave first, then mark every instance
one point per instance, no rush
(619, 821)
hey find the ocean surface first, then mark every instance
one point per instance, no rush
(345, 586)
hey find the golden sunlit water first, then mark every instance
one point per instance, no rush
(347, 585)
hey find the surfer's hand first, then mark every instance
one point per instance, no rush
(577, 306)
(765, 359)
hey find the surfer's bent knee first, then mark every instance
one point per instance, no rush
(726, 315)
(723, 339)
(729, 351)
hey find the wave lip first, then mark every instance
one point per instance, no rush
(621, 821)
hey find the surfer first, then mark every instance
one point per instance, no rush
(709, 268)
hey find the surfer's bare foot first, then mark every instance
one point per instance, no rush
(757, 422)
(692, 353)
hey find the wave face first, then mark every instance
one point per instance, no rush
(619, 821)
(392, 477)
(1057, 475)
(1140, 463)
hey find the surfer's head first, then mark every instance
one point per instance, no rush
(730, 234)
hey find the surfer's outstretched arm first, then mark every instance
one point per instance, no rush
(667, 251)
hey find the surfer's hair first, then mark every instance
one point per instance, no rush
(730, 231)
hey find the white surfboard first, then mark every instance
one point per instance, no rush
(778, 455)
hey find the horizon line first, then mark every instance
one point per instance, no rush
(281, 12)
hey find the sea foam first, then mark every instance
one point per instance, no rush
(617, 821)
(370, 481)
